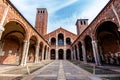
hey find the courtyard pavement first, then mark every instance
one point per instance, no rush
(61, 70)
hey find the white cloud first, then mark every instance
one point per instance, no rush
(89, 12)
(28, 9)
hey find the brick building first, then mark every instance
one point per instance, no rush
(98, 42)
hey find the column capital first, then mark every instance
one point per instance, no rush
(25, 41)
(2, 28)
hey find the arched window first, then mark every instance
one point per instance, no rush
(60, 39)
(68, 41)
(53, 41)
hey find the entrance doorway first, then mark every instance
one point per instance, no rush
(60, 54)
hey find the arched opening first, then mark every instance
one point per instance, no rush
(60, 39)
(53, 41)
(40, 51)
(76, 54)
(11, 44)
(68, 41)
(108, 43)
(89, 50)
(45, 49)
(53, 54)
(68, 54)
(60, 53)
(32, 48)
(80, 51)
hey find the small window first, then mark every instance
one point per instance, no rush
(38, 11)
(81, 23)
(84, 23)
(43, 11)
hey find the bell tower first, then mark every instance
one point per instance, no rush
(41, 21)
(81, 25)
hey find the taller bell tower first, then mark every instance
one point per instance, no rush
(41, 21)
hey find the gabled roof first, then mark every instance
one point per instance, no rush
(61, 29)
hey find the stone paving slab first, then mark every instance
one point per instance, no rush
(49, 72)
(61, 70)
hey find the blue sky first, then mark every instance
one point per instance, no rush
(61, 13)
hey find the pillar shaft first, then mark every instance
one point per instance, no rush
(56, 54)
(24, 53)
(84, 53)
(37, 54)
(78, 53)
(95, 51)
(64, 54)
(74, 54)
(43, 52)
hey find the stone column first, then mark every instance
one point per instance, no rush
(37, 54)
(46, 56)
(43, 52)
(74, 54)
(49, 54)
(78, 54)
(71, 54)
(95, 51)
(56, 54)
(64, 39)
(24, 54)
(64, 54)
(84, 53)
(3, 20)
(56, 39)
(27, 50)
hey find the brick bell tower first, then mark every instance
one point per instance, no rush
(81, 25)
(41, 21)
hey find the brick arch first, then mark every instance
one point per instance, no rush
(36, 37)
(89, 49)
(95, 32)
(98, 25)
(22, 25)
(32, 48)
(108, 38)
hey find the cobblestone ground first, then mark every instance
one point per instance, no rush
(18, 72)
(61, 70)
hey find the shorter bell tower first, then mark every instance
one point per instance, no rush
(81, 25)
(41, 21)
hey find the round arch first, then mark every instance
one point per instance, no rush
(68, 41)
(60, 54)
(108, 38)
(60, 39)
(89, 49)
(53, 41)
(68, 54)
(32, 48)
(52, 54)
(21, 25)
(41, 50)
(80, 51)
(12, 43)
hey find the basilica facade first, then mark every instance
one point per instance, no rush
(98, 42)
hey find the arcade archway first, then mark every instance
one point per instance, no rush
(52, 54)
(60, 54)
(11, 44)
(108, 43)
(89, 49)
(68, 54)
